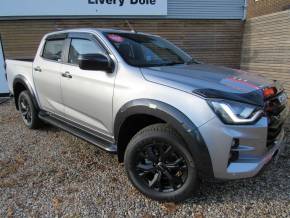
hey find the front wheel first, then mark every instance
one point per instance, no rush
(28, 110)
(159, 165)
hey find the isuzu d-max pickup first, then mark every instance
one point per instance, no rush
(172, 119)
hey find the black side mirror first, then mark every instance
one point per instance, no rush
(95, 62)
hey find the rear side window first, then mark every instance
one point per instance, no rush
(53, 49)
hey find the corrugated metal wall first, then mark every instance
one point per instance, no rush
(215, 41)
(266, 46)
(187, 9)
(206, 9)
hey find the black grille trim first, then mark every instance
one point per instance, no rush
(276, 113)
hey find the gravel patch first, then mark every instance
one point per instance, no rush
(49, 173)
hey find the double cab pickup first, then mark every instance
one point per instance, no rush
(171, 119)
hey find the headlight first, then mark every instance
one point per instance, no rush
(231, 112)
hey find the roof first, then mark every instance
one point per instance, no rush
(92, 30)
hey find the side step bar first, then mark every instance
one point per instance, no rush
(101, 143)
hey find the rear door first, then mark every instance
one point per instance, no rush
(4, 90)
(47, 74)
(87, 95)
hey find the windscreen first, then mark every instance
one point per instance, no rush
(147, 51)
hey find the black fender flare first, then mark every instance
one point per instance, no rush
(23, 81)
(179, 121)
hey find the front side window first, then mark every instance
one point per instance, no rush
(53, 49)
(81, 47)
(147, 51)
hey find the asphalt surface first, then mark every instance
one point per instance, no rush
(49, 173)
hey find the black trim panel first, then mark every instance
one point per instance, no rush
(56, 36)
(177, 120)
(24, 59)
(78, 132)
(100, 135)
(4, 95)
(254, 97)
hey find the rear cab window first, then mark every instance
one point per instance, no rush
(53, 49)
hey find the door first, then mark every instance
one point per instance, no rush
(87, 94)
(4, 90)
(47, 73)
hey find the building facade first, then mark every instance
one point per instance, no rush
(266, 42)
(210, 30)
(263, 7)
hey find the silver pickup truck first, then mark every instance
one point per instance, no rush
(171, 119)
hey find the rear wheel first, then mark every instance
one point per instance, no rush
(28, 110)
(159, 165)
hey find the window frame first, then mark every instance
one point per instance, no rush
(54, 38)
(83, 36)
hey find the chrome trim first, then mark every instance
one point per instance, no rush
(243, 148)
(236, 119)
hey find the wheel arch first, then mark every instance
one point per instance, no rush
(165, 113)
(20, 84)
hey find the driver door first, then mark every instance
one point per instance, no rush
(87, 95)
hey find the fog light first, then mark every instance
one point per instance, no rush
(234, 155)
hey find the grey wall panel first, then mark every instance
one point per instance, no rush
(206, 9)
(177, 9)
(3, 82)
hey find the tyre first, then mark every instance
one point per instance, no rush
(159, 165)
(28, 111)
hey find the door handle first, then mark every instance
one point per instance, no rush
(38, 69)
(66, 75)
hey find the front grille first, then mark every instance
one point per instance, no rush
(276, 113)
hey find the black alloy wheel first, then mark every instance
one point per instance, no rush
(28, 111)
(159, 165)
(25, 110)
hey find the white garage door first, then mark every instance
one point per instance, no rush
(3, 83)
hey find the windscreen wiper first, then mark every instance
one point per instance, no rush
(192, 61)
(171, 63)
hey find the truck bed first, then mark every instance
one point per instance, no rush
(16, 68)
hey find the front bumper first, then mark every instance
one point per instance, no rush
(248, 166)
(254, 153)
